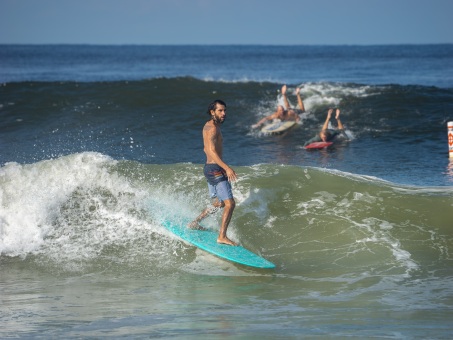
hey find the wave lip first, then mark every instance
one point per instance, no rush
(32, 195)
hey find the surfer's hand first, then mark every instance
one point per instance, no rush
(231, 174)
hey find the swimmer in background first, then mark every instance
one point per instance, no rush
(326, 134)
(284, 113)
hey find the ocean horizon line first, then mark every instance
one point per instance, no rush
(231, 44)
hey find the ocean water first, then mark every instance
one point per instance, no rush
(100, 144)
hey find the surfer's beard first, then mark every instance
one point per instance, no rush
(217, 120)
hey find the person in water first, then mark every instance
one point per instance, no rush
(218, 174)
(326, 134)
(284, 113)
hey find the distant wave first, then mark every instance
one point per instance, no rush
(369, 65)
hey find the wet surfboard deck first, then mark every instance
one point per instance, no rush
(277, 127)
(207, 241)
(318, 145)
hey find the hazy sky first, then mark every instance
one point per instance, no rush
(313, 22)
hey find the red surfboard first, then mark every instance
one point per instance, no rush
(318, 145)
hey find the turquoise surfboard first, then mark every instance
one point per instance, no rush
(207, 241)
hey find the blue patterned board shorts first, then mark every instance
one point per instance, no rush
(218, 184)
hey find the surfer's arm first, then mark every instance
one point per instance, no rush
(313, 140)
(261, 122)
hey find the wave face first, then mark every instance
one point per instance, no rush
(85, 210)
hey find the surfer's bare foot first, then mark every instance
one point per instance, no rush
(283, 89)
(195, 225)
(226, 240)
(337, 114)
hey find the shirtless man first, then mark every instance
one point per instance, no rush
(217, 172)
(281, 113)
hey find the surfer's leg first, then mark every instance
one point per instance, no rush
(226, 218)
(285, 98)
(216, 204)
(195, 224)
(225, 194)
(337, 117)
(299, 100)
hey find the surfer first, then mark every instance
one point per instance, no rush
(218, 174)
(326, 134)
(284, 113)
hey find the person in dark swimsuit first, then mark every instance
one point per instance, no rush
(218, 174)
(284, 113)
(326, 134)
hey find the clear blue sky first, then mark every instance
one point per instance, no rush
(276, 22)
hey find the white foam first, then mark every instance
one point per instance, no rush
(329, 94)
(315, 95)
(379, 233)
(31, 196)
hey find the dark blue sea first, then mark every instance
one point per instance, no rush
(100, 144)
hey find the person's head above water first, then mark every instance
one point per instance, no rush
(217, 111)
(325, 135)
(280, 111)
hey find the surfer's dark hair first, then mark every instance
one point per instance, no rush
(326, 133)
(213, 105)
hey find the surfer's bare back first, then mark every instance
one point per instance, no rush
(217, 172)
